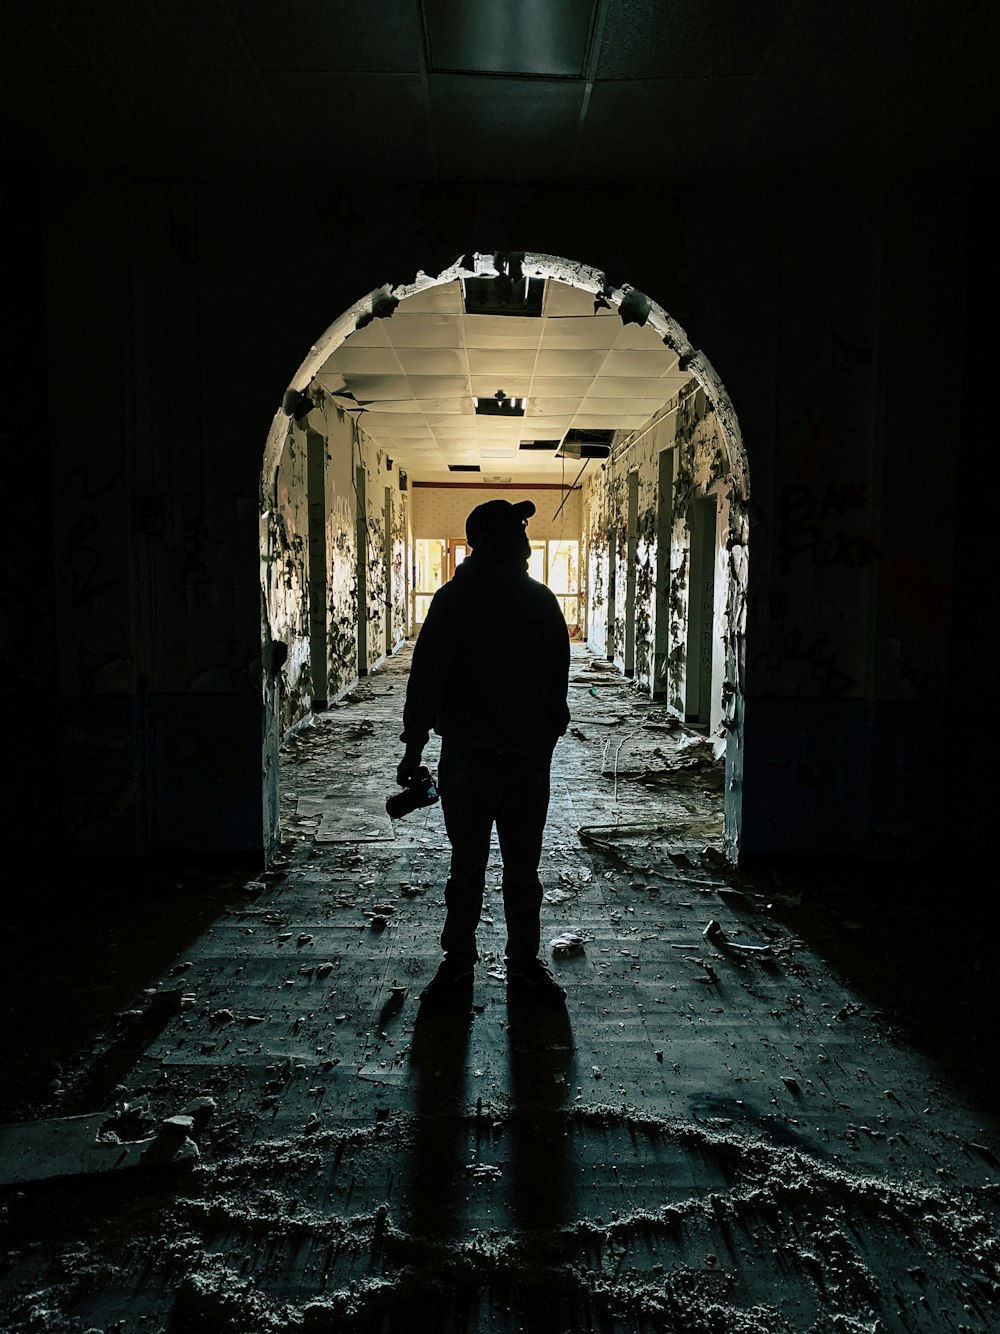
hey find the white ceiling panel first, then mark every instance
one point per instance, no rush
(649, 364)
(561, 386)
(367, 388)
(494, 362)
(543, 426)
(429, 330)
(354, 357)
(375, 334)
(420, 369)
(614, 407)
(446, 298)
(553, 407)
(576, 361)
(600, 422)
(640, 338)
(400, 429)
(626, 386)
(517, 330)
(439, 386)
(563, 300)
(451, 427)
(432, 360)
(514, 386)
(331, 380)
(576, 332)
(445, 407)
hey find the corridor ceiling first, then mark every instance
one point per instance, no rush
(588, 92)
(412, 381)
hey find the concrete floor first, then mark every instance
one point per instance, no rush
(711, 1137)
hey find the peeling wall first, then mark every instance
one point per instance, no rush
(687, 426)
(288, 592)
(175, 315)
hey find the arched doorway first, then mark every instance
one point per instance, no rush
(669, 514)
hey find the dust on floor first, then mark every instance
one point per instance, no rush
(748, 1119)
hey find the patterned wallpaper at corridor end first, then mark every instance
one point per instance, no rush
(440, 511)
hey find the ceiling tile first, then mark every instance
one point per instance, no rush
(624, 386)
(481, 330)
(366, 388)
(374, 334)
(641, 337)
(432, 360)
(395, 417)
(561, 299)
(439, 386)
(578, 361)
(430, 329)
(561, 386)
(553, 407)
(649, 365)
(354, 359)
(516, 386)
(578, 331)
(446, 299)
(491, 362)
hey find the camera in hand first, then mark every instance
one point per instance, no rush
(419, 791)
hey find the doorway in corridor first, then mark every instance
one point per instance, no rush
(346, 577)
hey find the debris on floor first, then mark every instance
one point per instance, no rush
(748, 1119)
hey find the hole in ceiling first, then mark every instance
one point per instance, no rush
(501, 296)
(586, 444)
(500, 406)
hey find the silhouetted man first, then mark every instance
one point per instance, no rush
(489, 674)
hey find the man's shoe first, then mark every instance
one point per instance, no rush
(533, 981)
(450, 987)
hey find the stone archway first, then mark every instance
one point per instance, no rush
(634, 307)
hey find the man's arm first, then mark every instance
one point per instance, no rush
(429, 670)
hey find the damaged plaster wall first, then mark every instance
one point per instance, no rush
(288, 592)
(689, 430)
(170, 347)
(687, 426)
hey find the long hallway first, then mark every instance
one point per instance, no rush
(751, 1126)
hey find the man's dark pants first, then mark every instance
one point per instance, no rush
(479, 788)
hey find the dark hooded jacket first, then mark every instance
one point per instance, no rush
(490, 667)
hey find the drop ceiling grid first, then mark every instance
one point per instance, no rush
(417, 374)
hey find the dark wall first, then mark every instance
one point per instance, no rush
(176, 316)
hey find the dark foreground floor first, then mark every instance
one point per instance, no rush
(801, 1136)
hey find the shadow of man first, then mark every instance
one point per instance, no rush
(542, 1186)
(437, 1174)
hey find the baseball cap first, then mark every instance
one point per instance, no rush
(496, 516)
